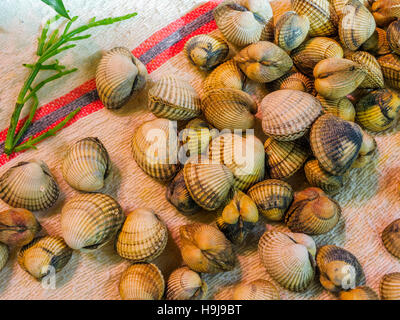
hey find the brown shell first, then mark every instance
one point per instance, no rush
(359, 293)
(294, 81)
(390, 65)
(342, 107)
(259, 289)
(377, 44)
(226, 75)
(391, 238)
(393, 36)
(390, 286)
(186, 284)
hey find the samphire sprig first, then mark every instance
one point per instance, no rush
(49, 45)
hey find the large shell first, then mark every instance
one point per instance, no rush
(174, 99)
(205, 249)
(4, 254)
(186, 284)
(342, 107)
(288, 114)
(86, 165)
(118, 76)
(143, 236)
(18, 227)
(339, 269)
(390, 65)
(142, 281)
(89, 221)
(294, 81)
(263, 61)
(393, 36)
(259, 289)
(29, 185)
(155, 148)
(227, 75)
(377, 44)
(385, 10)
(44, 255)
(391, 238)
(390, 286)
(367, 151)
(288, 258)
(291, 30)
(359, 293)
(374, 76)
(272, 197)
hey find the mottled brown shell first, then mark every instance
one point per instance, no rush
(391, 238)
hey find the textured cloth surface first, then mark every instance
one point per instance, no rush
(370, 200)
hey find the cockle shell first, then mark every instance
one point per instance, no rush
(391, 238)
(259, 289)
(366, 152)
(339, 269)
(393, 36)
(142, 281)
(205, 249)
(288, 114)
(385, 10)
(86, 165)
(359, 293)
(174, 99)
(4, 254)
(89, 221)
(377, 44)
(268, 32)
(155, 148)
(44, 255)
(272, 198)
(226, 75)
(294, 81)
(291, 30)
(143, 236)
(318, 177)
(18, 227)
(342, 107)
(186, 284)
(288, 258)
(29, 185)
(390, 286)
(118, 76)
(390, 65)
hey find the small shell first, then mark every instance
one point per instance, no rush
(263, 61)
(174, 99)
(291, 30)
(390, 65)
(86, 165)
(259, 289)
(29, 185)
(312, 212)
(342, 107)
(143, 236)
(227, 75)
(89, 221)
(205, 249)
(155, 149)
(4, 255)
(44, 255)
(288, 114)
(118, 76)
(391, 238)
(18, 227)
(288, 259)
(366, 152)
(377, 44)
(393, 36)
(294, 81)
(390, 286)
(359, 293)
(268, 31)
(142, 281)
(186, 284)
(339, 269)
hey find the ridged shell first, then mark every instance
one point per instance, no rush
(393, 36)
(44, 255)
(205, 249)
(174, 99)
(259, 289)
(226, 75)
(294, 81)
(366, 152)
(154, 150)
(339, 269)
(342, 107)
(318, 177)
(143, 236)
(391, 238)
(390, 65)
(4, 254)
(335, 143)
(359, 293)
(18, 227)
(377, 44)
(263, 61)
(288, 114)
(29, 185)
(269, 31)
(390, 286)
(385, 10)
(118, 76)
(142, 281)
(312, 212)
(272, 197)
(288, 260)
(89, 221)
(86, 165)
(186, 284)
(291, 30)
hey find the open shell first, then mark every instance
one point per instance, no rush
(390, 286)
(390, 65)
(4, 254)
(291, 30)
(259, 289)
(359, 293)
(294, 81)
(342, 107)
(391, 238)
(186, 284)
(393, 36)
(226, 75)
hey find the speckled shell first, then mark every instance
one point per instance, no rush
(259, 289)
(89, 221)
(242, 21)
(378, 110)
(4, 254)
(143, 236)
(263, 61)
(86, 165)
(44, 255)
(390, 286)
(294, 81)
(154, 150)
(391, 238)
(390, 65)
(342, 107)
(142, 281)
(289, 262)
(339, 269)
(359, 293)
(29, 185)
(291, 30)
(288, 114)
(393, 36)
(118, 76)
(367, 151)
(174, 99)
(377, 44)
(318, 177)
(335, 143)
(205, 249)
(186, 284)
(226, 75)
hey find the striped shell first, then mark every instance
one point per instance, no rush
(174, 99)
(390, 65)
(29, 185)
(226, 75)
(43, 256)
(318, 177)
(143, 236)
(259, 289)
(269, 30)
(86, 165)
(186, 284)
(377, 44)
(89, 221)
(4, 255)
(393, 36)
(391, 238)
(390, 286)
(294, 81)
(367, 151)
(118, 76)
(142, 281)
(342, 107)
(359, 293)
(374, 77)
(291, 30)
